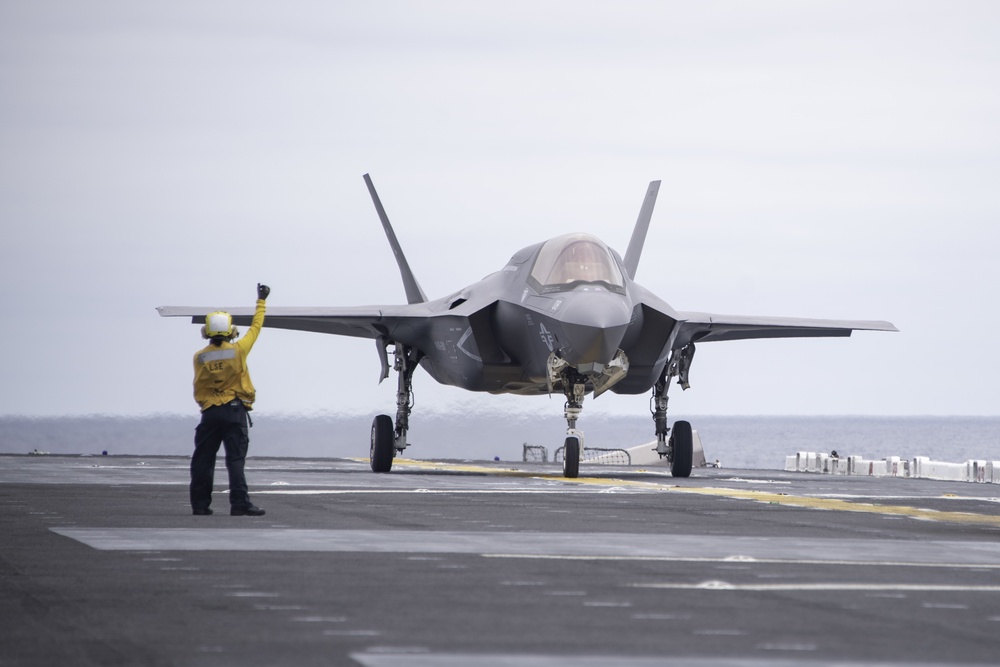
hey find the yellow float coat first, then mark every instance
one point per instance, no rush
(220, 371)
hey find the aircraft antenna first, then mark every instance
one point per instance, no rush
(641, 226)
(413, 292)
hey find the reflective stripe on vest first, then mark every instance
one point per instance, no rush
(216, 355)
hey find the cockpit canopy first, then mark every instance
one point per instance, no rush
(569, 260)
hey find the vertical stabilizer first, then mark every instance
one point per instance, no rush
(641, 226)
(413, 292)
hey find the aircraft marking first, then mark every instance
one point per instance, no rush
(547, 337)
(748, 559)
(423, 658)
(461, 344)
(820, 586)
(548, 545)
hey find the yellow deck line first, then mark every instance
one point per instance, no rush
(767, 497)
(846, 506)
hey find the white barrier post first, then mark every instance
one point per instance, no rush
(892, 466)
(854, 464)
(919, 467)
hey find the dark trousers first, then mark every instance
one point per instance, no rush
(220, 425)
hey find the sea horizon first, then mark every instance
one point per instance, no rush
(739, 441)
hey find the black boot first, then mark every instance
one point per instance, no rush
(246, 510)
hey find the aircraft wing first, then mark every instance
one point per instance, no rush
(707, 327)
(360, 322)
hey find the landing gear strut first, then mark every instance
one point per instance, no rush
(386, 440)
(677, 444)
(574, 387)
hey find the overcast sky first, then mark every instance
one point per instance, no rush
(818, 159)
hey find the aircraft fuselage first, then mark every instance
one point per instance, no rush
(500, 334)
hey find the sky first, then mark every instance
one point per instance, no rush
(820, 159)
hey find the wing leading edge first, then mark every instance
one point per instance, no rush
(362, 322)
(708, 327)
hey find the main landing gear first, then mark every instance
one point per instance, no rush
(677, 444)
(386, 440)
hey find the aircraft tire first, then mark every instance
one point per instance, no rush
(682, 447)
(571, 457)
(383, 444)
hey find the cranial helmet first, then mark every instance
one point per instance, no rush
(218, 324)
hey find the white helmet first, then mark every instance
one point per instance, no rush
(219, 325)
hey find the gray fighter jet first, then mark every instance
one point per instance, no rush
(565, 315)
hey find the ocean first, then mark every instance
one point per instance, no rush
(737, 442)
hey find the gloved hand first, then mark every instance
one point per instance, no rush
(262, 291)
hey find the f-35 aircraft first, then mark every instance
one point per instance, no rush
(565, 315)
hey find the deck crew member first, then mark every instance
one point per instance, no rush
(225, 394)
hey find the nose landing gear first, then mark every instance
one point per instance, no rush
(574, 388)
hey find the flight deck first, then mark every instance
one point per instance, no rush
(485, 564)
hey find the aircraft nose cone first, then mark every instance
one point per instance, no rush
(593, 327)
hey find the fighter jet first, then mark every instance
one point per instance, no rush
(564, 315)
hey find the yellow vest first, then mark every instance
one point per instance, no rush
(220, 371)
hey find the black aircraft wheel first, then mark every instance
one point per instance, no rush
(383, 444)
(682, 449)
(571, 457)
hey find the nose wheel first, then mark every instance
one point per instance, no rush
(571, 456)
(574, 389)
